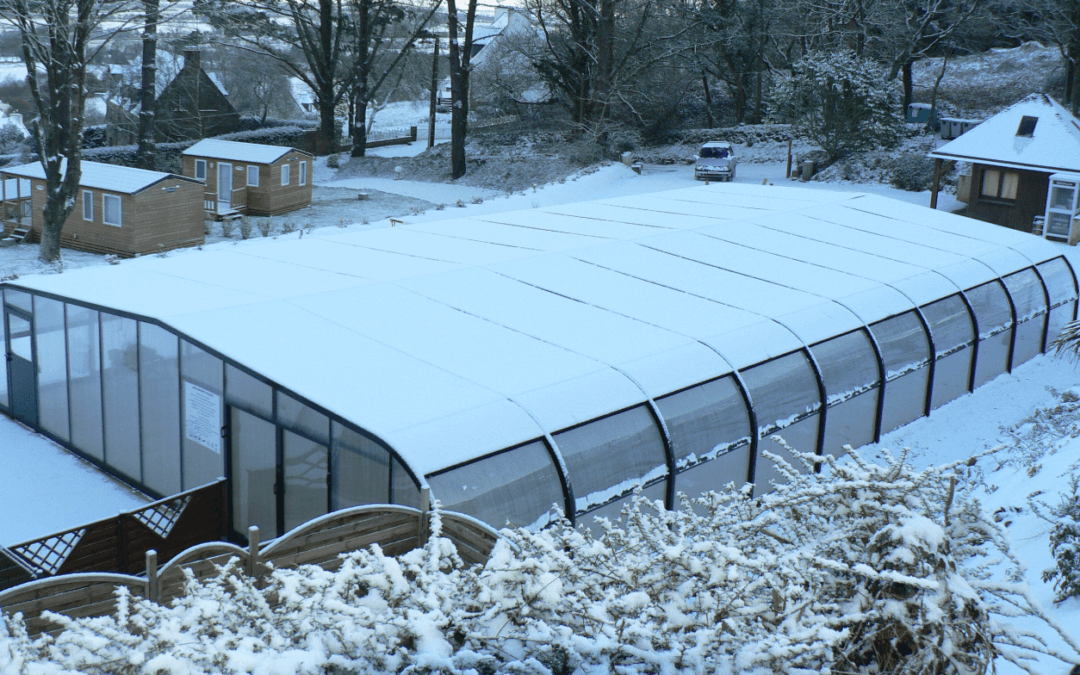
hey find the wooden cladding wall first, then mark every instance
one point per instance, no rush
(396, 529)
(119, 544)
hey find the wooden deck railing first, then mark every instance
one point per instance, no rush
(396, 529)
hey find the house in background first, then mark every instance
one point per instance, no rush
(1012, 156)
(118, 209)
(191, 103)
(9, 119)
(249, 178)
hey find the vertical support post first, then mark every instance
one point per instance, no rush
(787, 174)
(253, 551)
(935, 185)
(425, 512)
(434, 94)
(153, 587)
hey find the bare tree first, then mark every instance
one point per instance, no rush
(56, 46)
(460, 56)
(145, 156)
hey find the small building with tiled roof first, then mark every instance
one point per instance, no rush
(1012, 157)
(250, 178)
(118, 209)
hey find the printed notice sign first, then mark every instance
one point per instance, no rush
(202, 419)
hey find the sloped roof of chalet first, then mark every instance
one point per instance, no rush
(168, 67)
(453, 339)
(111, 177)
(1054, 144)
(236, 151)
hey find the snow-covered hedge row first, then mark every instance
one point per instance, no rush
(288, 136)
(867, 568)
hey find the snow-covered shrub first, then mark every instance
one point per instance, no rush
(841, 102)
(1065, 544)
(245, 226)
(864, 568)
(912, 172)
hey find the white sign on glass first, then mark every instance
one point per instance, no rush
(202, 419)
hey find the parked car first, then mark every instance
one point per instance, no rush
(715, 161)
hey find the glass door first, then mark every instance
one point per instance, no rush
(22, 377)
(224, 183)
(306, 476)
(253, 474)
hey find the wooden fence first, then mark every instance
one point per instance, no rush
(119, 544)
(396, 529)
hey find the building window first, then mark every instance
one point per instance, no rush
(253, 176)
(200, 169)
(111, 212)
(285, 174)
(998, 184)
(88, 205)
(303, 173)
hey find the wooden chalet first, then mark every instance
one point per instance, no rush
(118, 209)
(249, 178)
(1012, 156)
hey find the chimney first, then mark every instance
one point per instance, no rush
(191, 58)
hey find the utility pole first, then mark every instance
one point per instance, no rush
(434, 94)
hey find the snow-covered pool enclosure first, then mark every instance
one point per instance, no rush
(518, 360)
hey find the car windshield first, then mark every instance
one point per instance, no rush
(714, 153)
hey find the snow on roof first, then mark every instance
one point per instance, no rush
(457, 338)
(1054, 144)
(238, 152)
(101, 176)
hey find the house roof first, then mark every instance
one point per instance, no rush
(454, 339)
(100, 176)
(239, 152)
(1054, 144)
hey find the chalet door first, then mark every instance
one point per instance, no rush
(22, 379)
(224, 186)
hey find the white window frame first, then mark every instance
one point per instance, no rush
(119, 222)
(252, 171)
(303, 173)
(200, 164)
(286, 170)
(88, 205)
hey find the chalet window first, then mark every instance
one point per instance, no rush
(111, 215)
(998, 184)
(88, 205)
(253, 176)
(303, 173)
(200, 169)
(285, 174)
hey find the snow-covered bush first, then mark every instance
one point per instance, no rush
(912, 172)
(841, 102)
(865, 568)
(1065, 544)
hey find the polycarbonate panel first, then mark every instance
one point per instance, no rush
(950, 324)
(293, 414)
(1058, 279)
(781, 390)
(120, 384)
(801, 436)
(993, 357)
(403, 489)
(905, 399)
(516, 488)
(247, 392)
(84, 368)
(3, 362)
(1059, 318)
(705, 420)
(254, 473)
(951, 375)
(50, 339)
(1029, 340)
(903, 343)
(849, 365)
(20, 299)
(159, 370)
(730, 467)
(202, 410)
(306, 466)
(612, 455)
(851, 422)
(361, 469)
(613, 510)
(991, 306)
(1027, 294)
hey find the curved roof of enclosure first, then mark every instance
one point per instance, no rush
(456, 338)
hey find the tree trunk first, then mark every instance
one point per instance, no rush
(359, 134)
(708, 100)
(459, 85)
(905, 74)
(605, 58)
(145, 156)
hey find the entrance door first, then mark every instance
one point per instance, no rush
(22, 380)
(224, 186)
(253, 460)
